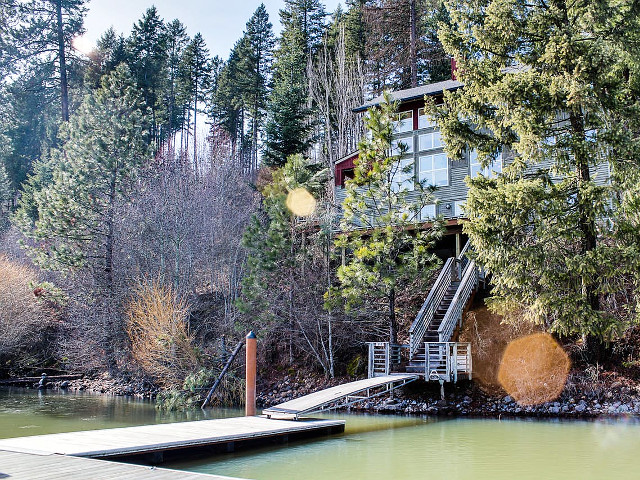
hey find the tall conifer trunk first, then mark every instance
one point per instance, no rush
(64, 93)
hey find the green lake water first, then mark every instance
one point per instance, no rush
(372, 447)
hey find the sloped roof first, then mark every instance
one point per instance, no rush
(413, 93)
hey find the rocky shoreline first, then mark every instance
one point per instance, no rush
(470, 400)
(466, 399)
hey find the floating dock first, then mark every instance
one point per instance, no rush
(152, 443)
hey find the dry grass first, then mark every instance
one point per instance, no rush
(489, 338)
(25, 317)
(157, 329)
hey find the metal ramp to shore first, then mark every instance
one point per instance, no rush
(340, 396)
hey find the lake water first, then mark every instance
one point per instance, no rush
(372, 447)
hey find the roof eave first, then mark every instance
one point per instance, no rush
(364, 108)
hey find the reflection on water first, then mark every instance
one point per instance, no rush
(372, 447)
(418, 448)
(32, 412)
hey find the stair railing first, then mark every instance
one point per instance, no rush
(467, 286)
(429, 307)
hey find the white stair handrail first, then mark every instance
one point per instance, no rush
(429, 307)
(453, 316)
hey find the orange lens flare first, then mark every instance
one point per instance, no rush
(534, 369)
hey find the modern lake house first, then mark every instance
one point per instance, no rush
(433, 351)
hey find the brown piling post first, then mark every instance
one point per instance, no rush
(251, 369)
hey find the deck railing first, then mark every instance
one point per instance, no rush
(383, 357)
(430, 305)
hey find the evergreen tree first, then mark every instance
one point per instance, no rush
(382, 225)
(227, 103)
(6, 192)
(30, 112)
(42, 34)
(287, 122)
(102, 149)
(553, 86)
(309, 17)
(284, 280)
(110, 51)
(197, 70)
(177, 41)
(256, 66)
(147, 48)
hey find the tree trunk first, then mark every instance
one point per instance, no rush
(64, 93)
(393, 323)
(412, 44)
(195, 127)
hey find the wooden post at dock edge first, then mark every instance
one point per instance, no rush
(251, 369)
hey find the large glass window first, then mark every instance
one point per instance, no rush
(424, 121)
(403, 175)
(434, 169)
(490, 171)
(408, 146)
(404, 122)
(429, 141)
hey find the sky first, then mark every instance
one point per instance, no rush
(221, 22)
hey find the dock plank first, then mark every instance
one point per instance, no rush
(26, 466)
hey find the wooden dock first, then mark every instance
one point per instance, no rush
(28, 466)
(341, 395)
(152, 442)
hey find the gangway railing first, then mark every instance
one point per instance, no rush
(447, 361)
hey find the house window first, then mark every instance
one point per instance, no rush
(434, 169)
(408, 146)
(404, 123)
(458, 208)
(403, 175)
(424, 121)
(428, 212)
(429, 141)
(490, 171)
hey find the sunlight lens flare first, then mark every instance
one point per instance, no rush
(534, 369)
(83, 45)
(300, 202)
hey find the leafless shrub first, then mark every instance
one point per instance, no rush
(25, 317)
(157, 329)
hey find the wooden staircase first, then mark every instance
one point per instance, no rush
(430, 351)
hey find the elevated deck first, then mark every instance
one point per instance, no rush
(156, 440)
(346, 394)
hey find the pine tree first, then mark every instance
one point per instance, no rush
(6, 192)
(197, 70)
(381, 225)
(110, 52)
(102, 149)
(42, 36)
(309, 17)
(553, 86)
(287, 123)
(227, 104)
(256, 65)
(147, 46)
(177, 41)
